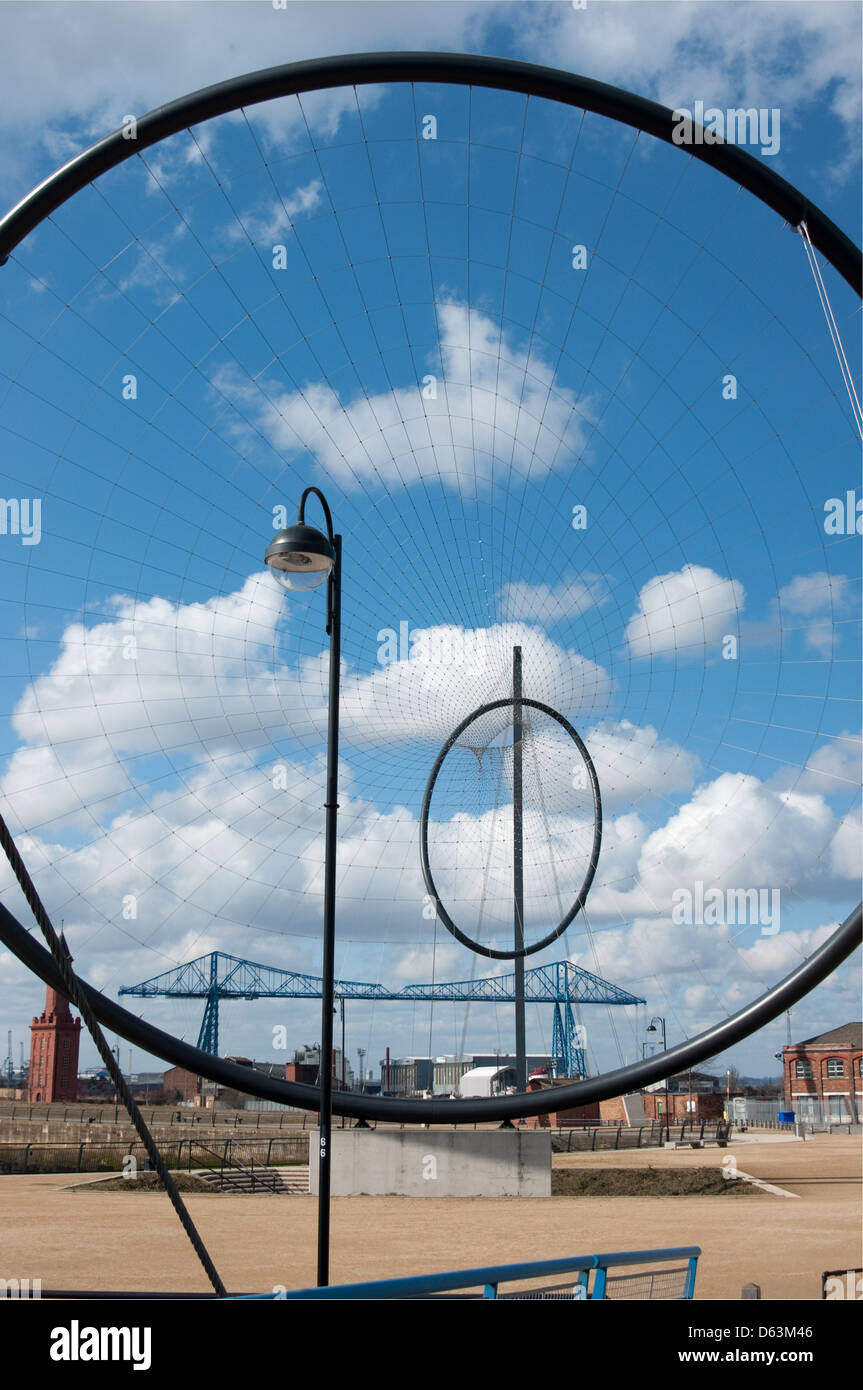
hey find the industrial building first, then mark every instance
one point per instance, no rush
(442, 1076)
(184, 1087)
(306, 1067)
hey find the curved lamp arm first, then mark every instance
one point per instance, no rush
(301, 514)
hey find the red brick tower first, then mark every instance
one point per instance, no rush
(55, 1037)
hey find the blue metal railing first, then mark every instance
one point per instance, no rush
(490, 1277)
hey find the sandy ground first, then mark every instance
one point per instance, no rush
(82, 1240)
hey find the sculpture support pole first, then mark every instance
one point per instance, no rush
(334, 619)
(518, 871)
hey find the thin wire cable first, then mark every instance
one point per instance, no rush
(832, 327)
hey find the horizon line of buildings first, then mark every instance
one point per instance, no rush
(820, 1074)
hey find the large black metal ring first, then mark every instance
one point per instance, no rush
(553, 85)
(677, 1059)
(455, 69)
(580, 899)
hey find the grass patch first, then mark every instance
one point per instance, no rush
(147, 1182)
(644, 1182)
(565, 1182)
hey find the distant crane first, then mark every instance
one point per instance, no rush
(9, 1065)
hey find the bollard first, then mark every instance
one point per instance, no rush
(750, 1291)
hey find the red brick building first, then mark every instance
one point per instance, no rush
(674, 1107)
(825, 1071)
(179, 1085)
(694, 1097)
(55, 1037)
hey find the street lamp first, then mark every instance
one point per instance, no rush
(651, 1028)
(301, 558)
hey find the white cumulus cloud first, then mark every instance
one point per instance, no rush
(497, 407)
(684, 611)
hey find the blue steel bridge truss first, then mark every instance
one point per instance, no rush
(218, 976)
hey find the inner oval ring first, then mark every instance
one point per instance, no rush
(581, 897)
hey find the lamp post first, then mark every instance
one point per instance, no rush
(651, 1028)
(301, 558)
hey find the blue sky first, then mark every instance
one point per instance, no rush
(429, 354)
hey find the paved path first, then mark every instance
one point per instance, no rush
(76, 1240)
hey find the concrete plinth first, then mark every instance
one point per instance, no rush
(436, 1163)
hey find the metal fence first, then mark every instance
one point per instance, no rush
(162, 1115)
(820, 1116)
(639, 1137)
(677, 1282)
(282, 1118)
(180, 1153)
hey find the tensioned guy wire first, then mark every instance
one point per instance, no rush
(832, 328)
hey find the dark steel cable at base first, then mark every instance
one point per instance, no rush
(132, 1295)
(77, 993)
(800, 981)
